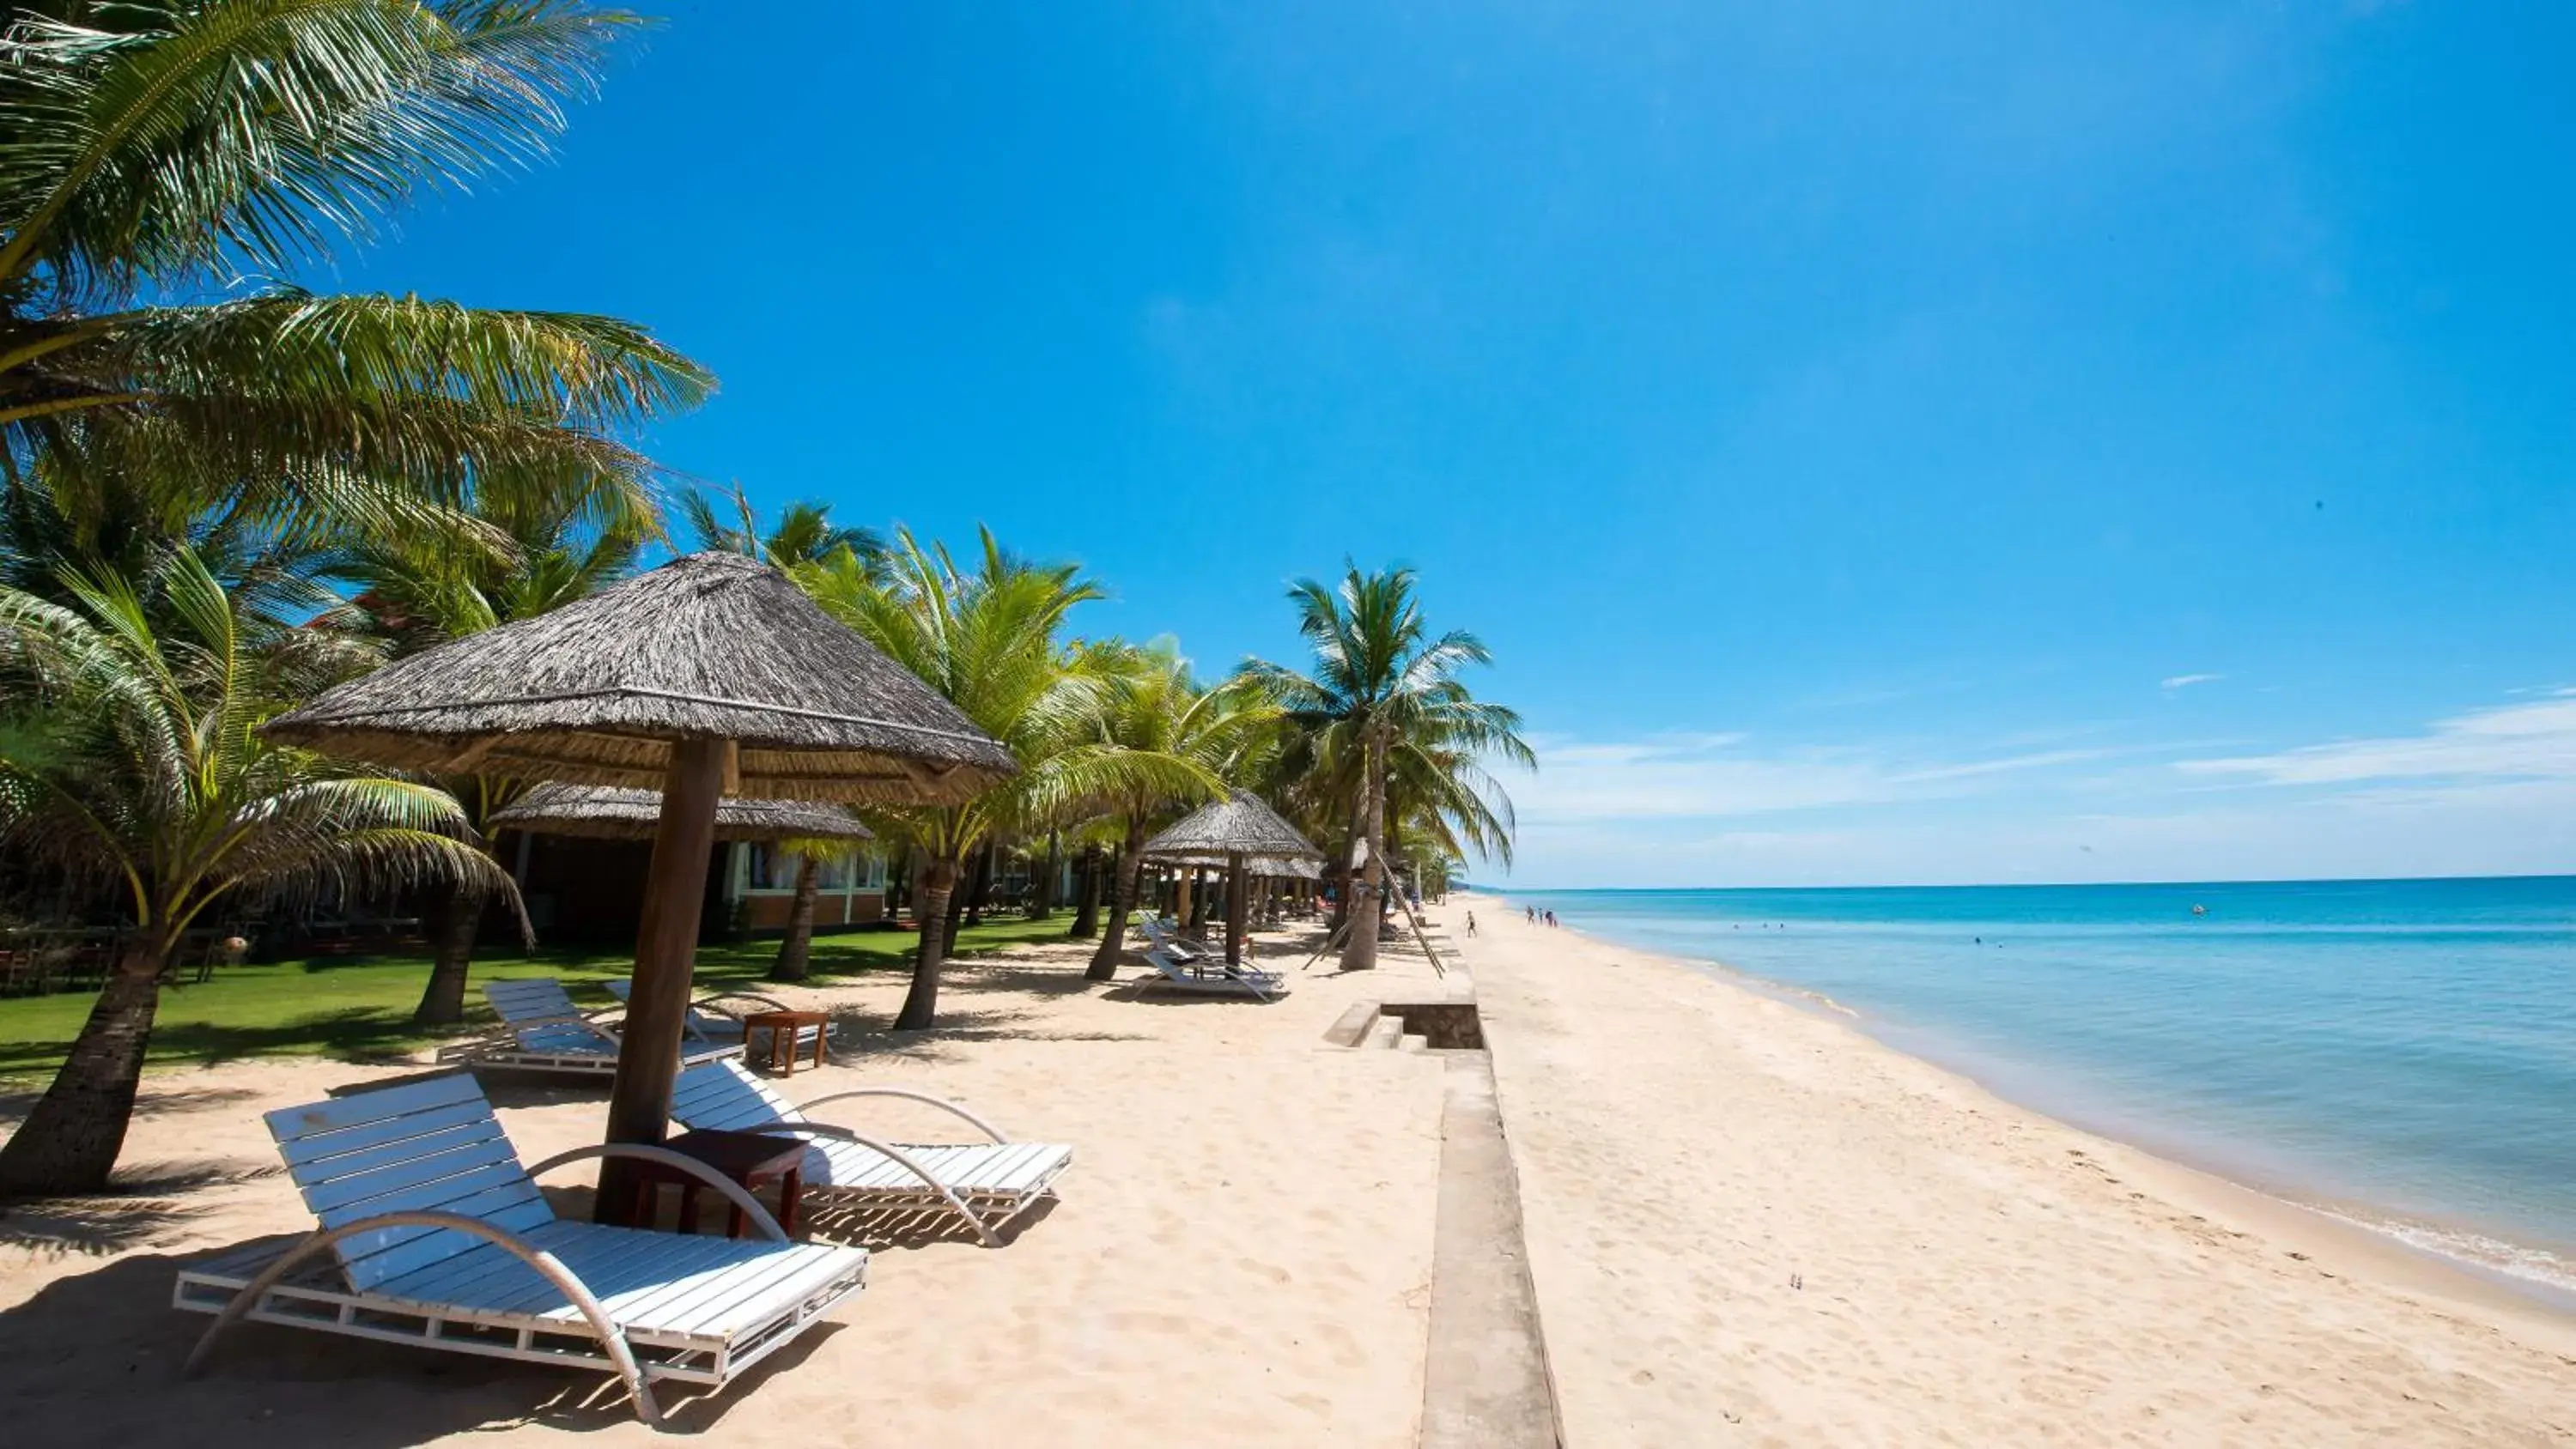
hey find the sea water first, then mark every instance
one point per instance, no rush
(2400, 1052)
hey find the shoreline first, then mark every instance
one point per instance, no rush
(2384, 1226)
(2376, 1229)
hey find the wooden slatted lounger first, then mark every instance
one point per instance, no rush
(433, 1233)
(716, 1025)
(542, 1031)
(987, 1183)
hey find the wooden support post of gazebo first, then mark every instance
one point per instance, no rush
(666, 947)
(1236, 912)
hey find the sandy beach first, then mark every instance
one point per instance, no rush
(1751, 1223)
(1240, 1254)
(1748, 1223)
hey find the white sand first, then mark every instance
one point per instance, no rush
(1243, 1251)
(1241, 1254)
(1690, 1151)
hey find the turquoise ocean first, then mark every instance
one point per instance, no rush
(2399, 1052)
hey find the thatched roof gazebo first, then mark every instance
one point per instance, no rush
(1243, 832)
(612, 812)
(712, 675)
(712, 647)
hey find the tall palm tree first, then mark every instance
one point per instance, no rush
(989, 639)
(152, 154)
(564, 537)
(1379, 677)
(130, 757)
(1156, 705)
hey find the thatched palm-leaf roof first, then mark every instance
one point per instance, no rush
(711, 646)
(613, 812)
(1242, 824)
(1278, 865)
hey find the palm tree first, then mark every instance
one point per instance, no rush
(989, 640)
(563, 539)
(153, 154)
(130, 757)
(1382, 680)
(1155, 705)
(804, 533)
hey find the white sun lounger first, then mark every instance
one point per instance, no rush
(1208, 975)
(987, 1183)
(542, 1031)
(433, 1233)
(714, 1025)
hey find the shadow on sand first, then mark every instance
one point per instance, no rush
(95, 1358)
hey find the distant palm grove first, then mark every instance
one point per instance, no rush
(224, 495)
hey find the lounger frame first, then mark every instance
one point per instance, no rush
(911, 1176)
(299, 1282)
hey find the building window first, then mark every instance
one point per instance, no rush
(835, 873)
(769, 867)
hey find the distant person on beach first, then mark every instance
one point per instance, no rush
(1532, 913)
(1551, 918)
(1471, 923)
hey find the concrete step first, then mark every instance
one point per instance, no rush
(1383, 1034)
(1413, 1041)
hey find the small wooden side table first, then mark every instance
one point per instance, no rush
(784, 1027)
(751, 1159)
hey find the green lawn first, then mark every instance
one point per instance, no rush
(357, 1007)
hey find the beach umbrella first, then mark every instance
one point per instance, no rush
(612, 812)
(712, 675)
(1237, 830)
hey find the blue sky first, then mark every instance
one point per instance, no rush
(1974, 442)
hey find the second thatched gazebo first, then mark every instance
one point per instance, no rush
(712, 675)
(1239, 830)
(612, 812)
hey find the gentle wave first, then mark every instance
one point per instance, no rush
(2495, 1255)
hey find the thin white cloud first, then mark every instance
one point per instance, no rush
(1724, 776)
(2186, 681)
(2534, 741)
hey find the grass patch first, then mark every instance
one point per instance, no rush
(358, 1008)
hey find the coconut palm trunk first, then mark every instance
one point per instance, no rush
(921, 1003)
(1086, 911)
(1042, 890)
(454, 920)
(795, 954)
(1359, 950)
(979, 884)
(68, 1144)
(1113, 941)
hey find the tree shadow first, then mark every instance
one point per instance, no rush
(94, 1358)
(879, 1039)
(355, 1033)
